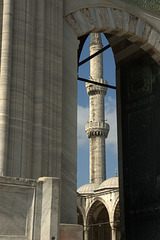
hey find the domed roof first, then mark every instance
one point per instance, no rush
(109, 183)
(87, 188)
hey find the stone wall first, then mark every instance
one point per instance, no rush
(29, 209)
(37, 136)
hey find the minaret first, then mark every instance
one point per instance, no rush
(97, 129)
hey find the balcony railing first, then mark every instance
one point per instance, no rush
(102, 125)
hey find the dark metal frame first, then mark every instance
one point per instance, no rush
(89, 58)
(94, 55)
(97, 83)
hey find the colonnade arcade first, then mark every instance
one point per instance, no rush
(100, 223)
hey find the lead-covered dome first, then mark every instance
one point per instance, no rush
(88, 188)
(109, 183)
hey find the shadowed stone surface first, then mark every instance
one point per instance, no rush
(70, 232)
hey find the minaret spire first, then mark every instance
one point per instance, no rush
(97, 129)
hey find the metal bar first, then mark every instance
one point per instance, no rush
(97, 83)
(104, 223)
(93, 55)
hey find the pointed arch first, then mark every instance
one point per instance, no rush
(114, 208)
(117, 221)
(80, 217)
(98, 223)
(118, 23)
(97, 199)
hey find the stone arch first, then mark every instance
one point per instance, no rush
(81, 210)
(135, 29)
(119, 23)
(116, 211)
(113, 209)
(93, 201)
(116, 221)
(98, 222)
(80, 216)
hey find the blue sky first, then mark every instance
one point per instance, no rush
(83, 116)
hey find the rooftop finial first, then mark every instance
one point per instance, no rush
(115, 172)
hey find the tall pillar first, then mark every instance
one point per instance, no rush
(86, 230)
(97, 129)
(113, 233)
(5, 78)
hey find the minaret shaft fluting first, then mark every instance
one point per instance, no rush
(97, 129)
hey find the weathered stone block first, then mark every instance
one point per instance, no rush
(29, 209)
(71, 232)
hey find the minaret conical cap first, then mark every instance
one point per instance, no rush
(96, 38)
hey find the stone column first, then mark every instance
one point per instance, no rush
(5, 80)
(19, 142)
(86, 230)
(39, 91)
(114, 233)
(50, 218)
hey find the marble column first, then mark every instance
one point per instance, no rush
(50, 216)
(114, 233)
(86, 230)
(5, 78)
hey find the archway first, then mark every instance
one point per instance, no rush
(136, 46)
(84, 111)
(98, 222)
(116, 223)
(118, 23)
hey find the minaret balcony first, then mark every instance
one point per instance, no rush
(94, 129)
(93, 89)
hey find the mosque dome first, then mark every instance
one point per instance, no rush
(88, 188)
(109, 183)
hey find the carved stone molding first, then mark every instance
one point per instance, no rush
(119, 23)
